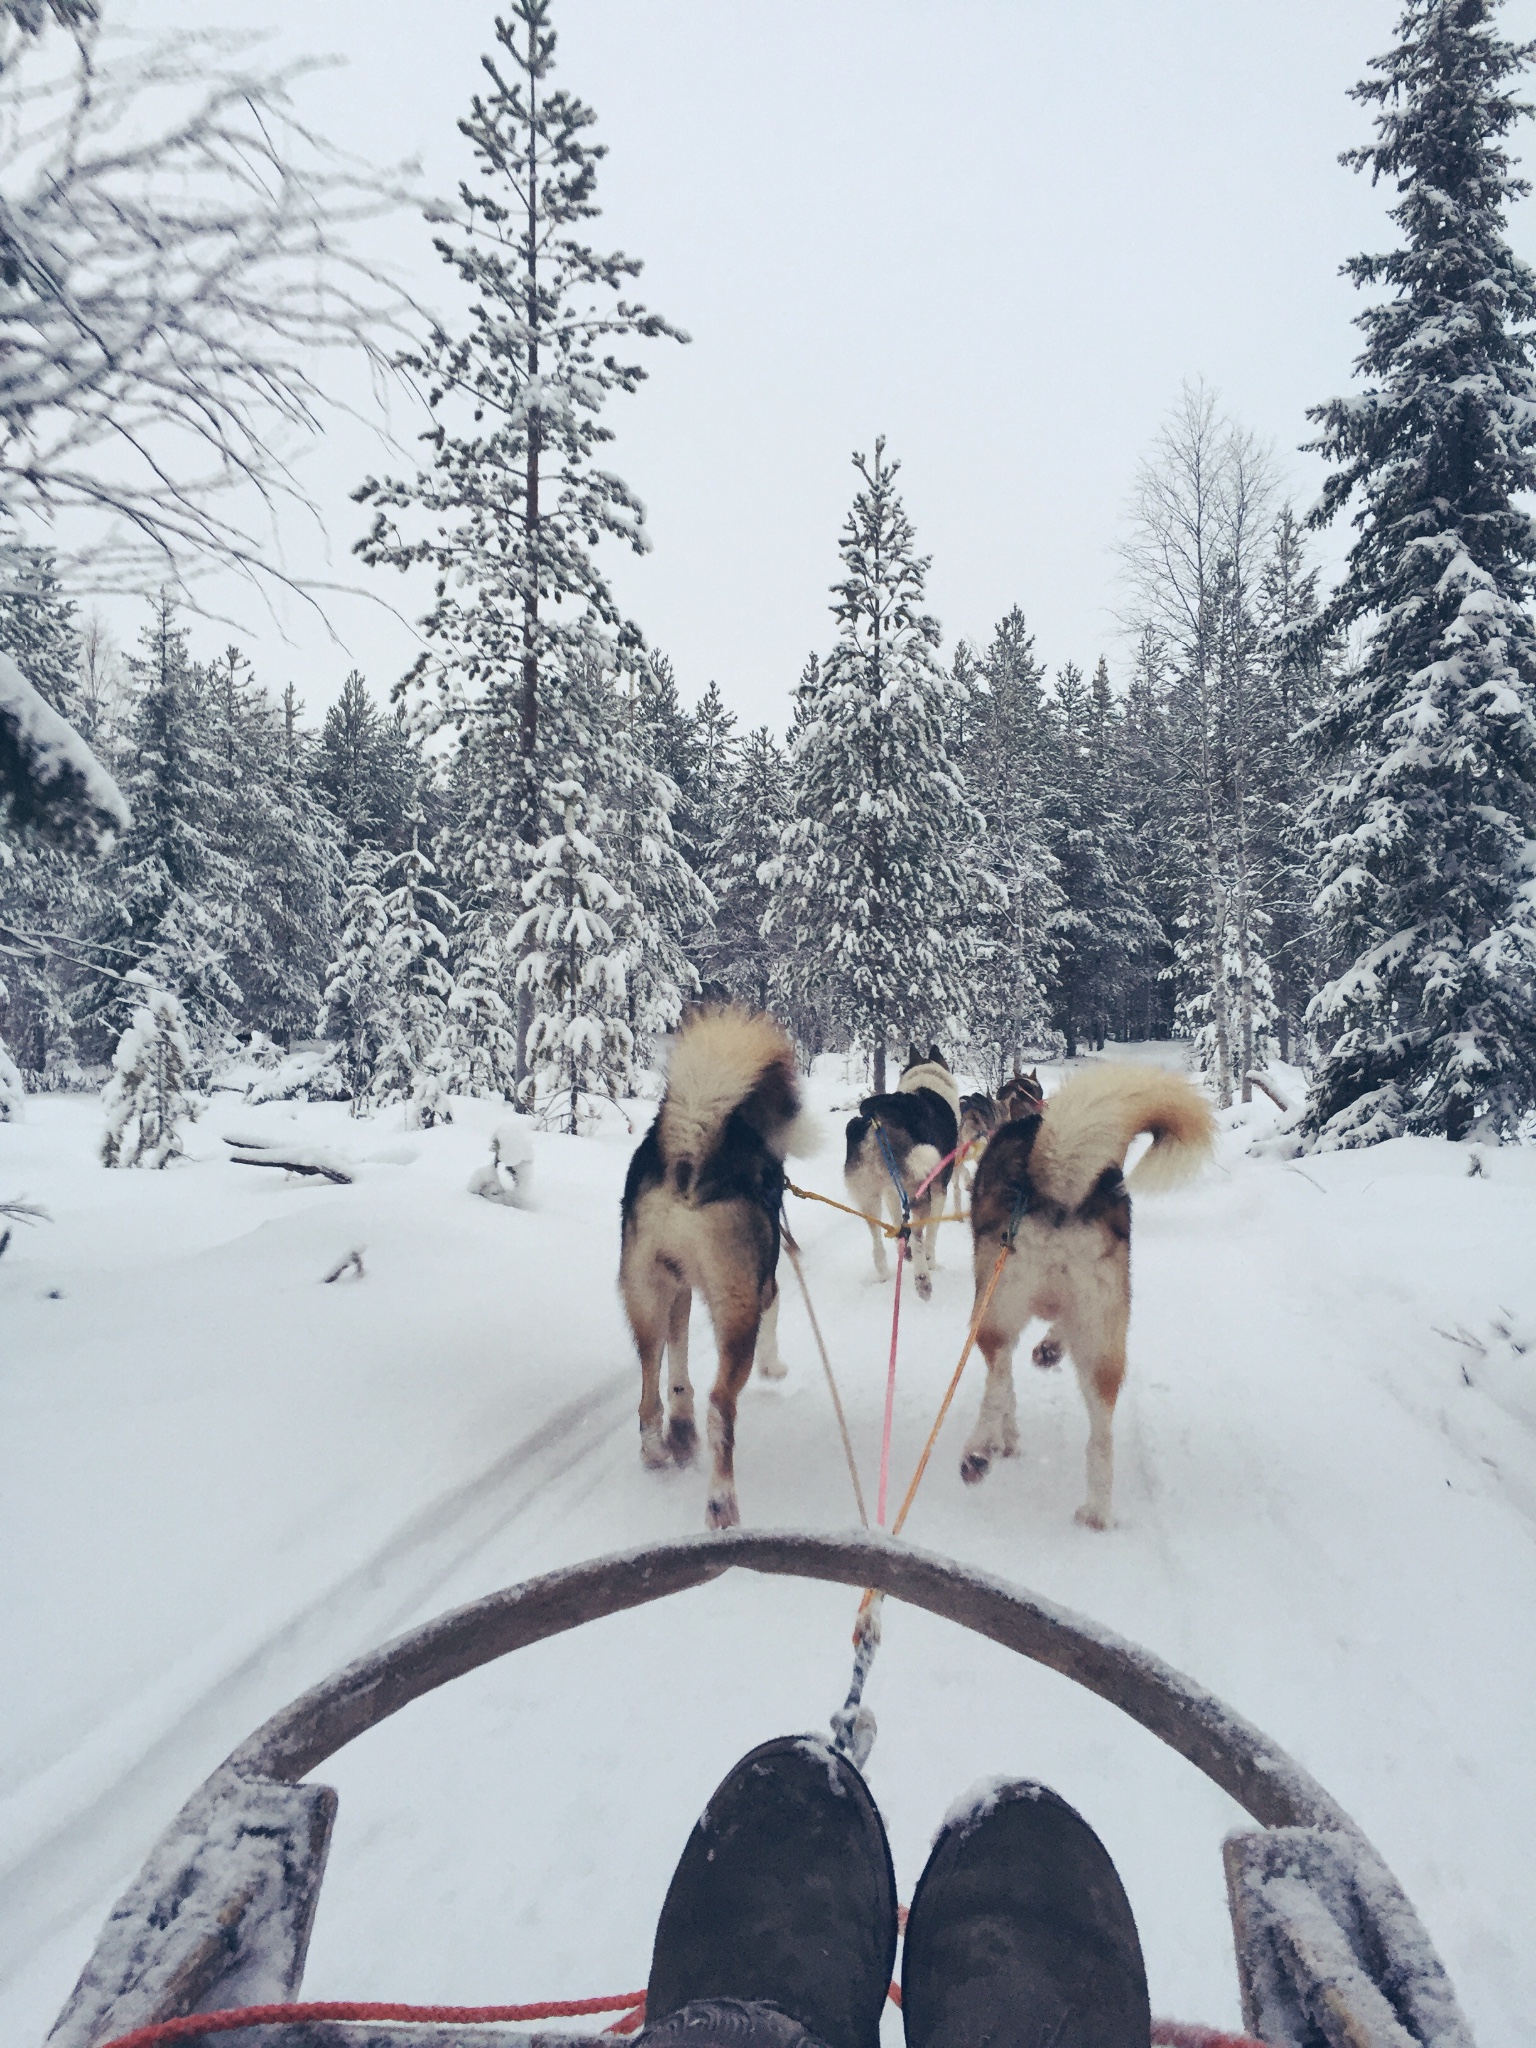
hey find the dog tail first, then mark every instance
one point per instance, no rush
(724, 1059)
(858, 1131)
(1091, 1119)
(917, 1166)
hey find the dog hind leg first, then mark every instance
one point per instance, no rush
(996, 1434)
(766, 1358)
(1099, 1356)
(682, 1433)
(648, 1316)
(736, 1340)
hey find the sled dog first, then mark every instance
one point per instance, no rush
(920, 1123)
(1020, 1095)
(1054, 1175)
(701, 1211)
(978, 1119)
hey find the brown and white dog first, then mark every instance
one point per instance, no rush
(1055, 1178)
(979, 1118)
(921, 1124)
(702, 1212)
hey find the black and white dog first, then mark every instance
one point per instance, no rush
(920, 1125)
(701, 1211)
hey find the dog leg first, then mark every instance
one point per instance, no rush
(1048, 1352)
(682, 1434)
(736, 1343)
(1100, 1374)
(996, 1434)
(649, 1326)
(921, 1242)
(766, 1359)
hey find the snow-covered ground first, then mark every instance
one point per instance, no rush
(222, 1479)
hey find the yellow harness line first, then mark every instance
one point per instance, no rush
(875, 1222)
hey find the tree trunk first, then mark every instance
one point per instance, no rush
(878, 1077)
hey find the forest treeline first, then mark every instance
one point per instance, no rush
(1283, 823)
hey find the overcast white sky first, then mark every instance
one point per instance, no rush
(1000, 232)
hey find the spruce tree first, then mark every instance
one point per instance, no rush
(414, 958)
(368, 770)
(580, 1045)
(739, 957)
(359, 1005)
(1428, 749)
(1009, 744)
(873, 883)
(517, 496)
(149, 1095)
(169, 888)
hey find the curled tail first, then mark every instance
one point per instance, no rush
(724, 1060)
(1091, 1119)
(858, 1131)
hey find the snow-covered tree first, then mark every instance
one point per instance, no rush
(873, 884)
(12, 1094)
(150, 1096)
(168, 897)
(414, 961)
(360, 1001)
(368, 769)
(1100, 921)
(1427, 808)
(580, 1044)
(1009, 744)
(739, 960)
(517, 497)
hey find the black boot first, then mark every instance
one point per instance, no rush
(784, 1897)
(1020, 1934)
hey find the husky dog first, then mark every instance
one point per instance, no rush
(979, 1117)
(920, 1124)
(1020, 1095)
(1055, 1179)
(701, 1210)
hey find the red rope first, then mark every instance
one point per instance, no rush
(1165, 2033)
(192, 2024)
(1190, 2034)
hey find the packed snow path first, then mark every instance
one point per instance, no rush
(223, 1479)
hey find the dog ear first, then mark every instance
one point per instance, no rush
(911, 1054)
(1034, 1073)
(935, 1056)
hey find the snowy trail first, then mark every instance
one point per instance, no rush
(1320, 1515)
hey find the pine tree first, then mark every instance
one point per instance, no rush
(740, 959)
(1009, 746)
(873, 886)
(368, 770)
(359, 1006)
(168, 890)
(1101, 920)
(414, 959)
(149, 1096)
(1428, 750)
(580, 1045)
(516, 497)
(1147, 778)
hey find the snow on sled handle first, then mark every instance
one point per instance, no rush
(1329, 1948)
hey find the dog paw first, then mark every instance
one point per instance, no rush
(654, 1449)
(975, 1466)
(1047, 1353)
(1010, 1444)
(682, 1439)
(722, 1512)
(771, 1368)
(924, 1287)
(1090, 1518)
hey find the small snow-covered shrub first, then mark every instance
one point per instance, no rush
(306, 1073)
(149, 1096)
(509, 1177)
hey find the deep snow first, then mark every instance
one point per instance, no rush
(223, 1479)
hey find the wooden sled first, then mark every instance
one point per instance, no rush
(1330, 1953)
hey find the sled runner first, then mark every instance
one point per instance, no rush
(1330, 1953)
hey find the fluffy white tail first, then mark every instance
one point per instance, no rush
(1091, 1119)
(719, 1057)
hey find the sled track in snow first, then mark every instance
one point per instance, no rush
(57, 1870)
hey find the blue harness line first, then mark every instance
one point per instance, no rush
(896, 1179)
